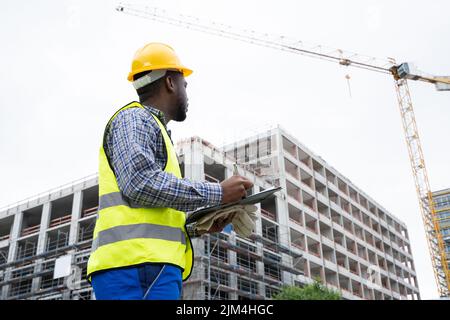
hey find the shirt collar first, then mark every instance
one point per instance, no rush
(160, 116)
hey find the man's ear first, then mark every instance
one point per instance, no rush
(170, 84)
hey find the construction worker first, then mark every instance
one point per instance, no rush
(141, 247)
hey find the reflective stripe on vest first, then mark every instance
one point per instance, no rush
(127, 235)
(143, 230)
(111, 200)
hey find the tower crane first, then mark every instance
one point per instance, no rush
(401, 73)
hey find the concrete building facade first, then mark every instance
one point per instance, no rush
(320, 225)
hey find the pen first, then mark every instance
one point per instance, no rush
(236, 173)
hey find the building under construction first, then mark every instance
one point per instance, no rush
(319, 226)
(441, 200)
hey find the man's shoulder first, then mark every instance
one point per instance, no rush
(134, 116)
(136, 112)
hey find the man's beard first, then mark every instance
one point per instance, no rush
(181, 112)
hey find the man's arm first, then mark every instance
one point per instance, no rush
(131, 145)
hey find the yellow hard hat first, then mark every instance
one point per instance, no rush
(156, 56)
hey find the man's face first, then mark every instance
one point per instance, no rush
(181, 102)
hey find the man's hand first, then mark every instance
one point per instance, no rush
(243, 220)
(234, 188)
(219, 224)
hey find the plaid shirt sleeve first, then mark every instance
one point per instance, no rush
(136, 158)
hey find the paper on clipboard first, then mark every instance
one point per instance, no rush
(254, 198)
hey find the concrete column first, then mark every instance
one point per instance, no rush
(281, 202)
(76, 215)
(193, 160)
(287, 277)
(259, 249)
(15, 234)
(232, 256)
(196, 290)
(260, 270)
(77, 206)
(45, 219)
(194, 170)
(283, 220)
(284, 236)
(42, 240)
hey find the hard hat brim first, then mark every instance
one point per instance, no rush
(186, 71)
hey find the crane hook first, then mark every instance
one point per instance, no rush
(347, 76)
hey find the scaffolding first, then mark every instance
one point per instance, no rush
(250, 281)
(26, 249)
(4, 255)
(58, 240)
(230, 266)
(31, 275)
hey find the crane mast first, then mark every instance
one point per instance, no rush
(389, 66)
(435, 242)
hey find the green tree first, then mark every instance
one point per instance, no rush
(313, 291)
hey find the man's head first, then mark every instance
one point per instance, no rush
(167, 93)
(159, 79)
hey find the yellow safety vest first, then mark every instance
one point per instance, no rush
(126, 236)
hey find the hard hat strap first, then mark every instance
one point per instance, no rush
(149, 78)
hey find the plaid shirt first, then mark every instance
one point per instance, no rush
(135, 148)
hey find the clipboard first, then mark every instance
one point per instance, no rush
(254, 198)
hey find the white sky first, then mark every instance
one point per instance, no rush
(64, 66)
